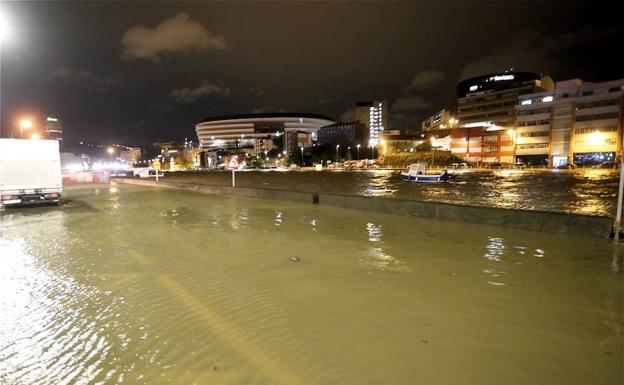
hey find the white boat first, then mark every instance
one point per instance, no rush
(417, 172)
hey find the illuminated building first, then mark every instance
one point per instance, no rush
(441, 120)
(579, 122)
(486, 113)
(242, 132)
(54, 129)
(374, 115)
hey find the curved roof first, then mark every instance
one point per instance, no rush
(275, 115)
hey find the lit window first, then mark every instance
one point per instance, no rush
(526, 102)
(547, 99)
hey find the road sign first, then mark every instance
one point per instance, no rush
(156, 165)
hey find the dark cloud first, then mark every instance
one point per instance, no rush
(410, 104)
(191, 94)
(65, 74)
(426, 80)
(348, 115)
(178, 33)
(531, 51)
(256, 90)
(83, 78)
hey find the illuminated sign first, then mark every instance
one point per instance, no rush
(501, 77)
(547, 99)
(526, 102)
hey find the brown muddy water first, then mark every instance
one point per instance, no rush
(124, 284)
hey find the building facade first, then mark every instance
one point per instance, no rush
(441, 120)
(577, 123)
(374, 115)
(54, 129)
(486, 114)
(352, 133)
(241, 132)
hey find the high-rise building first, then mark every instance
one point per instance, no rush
(53, 129)
(374, 115)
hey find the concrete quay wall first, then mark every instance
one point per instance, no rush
(543, 221)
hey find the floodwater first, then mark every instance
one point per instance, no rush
(583, 191)
(123, 284)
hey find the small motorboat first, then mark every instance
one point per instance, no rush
(417, 172)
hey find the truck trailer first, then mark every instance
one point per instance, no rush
(30, 172)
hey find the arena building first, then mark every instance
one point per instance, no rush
(257, 132)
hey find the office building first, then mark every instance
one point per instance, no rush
(578, 122)
(486, 113)
(348, 133)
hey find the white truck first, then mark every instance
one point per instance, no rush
(30, 171)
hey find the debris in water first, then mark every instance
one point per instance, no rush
(295, 259)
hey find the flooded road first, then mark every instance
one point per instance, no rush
(124, 284)
(583, 191)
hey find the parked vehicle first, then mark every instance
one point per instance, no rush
(145, 172)
(30, 172)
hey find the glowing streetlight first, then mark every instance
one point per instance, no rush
(337, 147)
(358, 149)
(301, 156)
(110, 151)
(24, 124)
(5, 27)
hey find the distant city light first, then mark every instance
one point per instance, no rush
(49, 119)
(526, 102)
(547, 99)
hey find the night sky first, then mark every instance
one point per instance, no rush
(136, 73)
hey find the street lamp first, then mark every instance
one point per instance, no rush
(358, 148)
(24, 124)
(301, 156)
(337, 147)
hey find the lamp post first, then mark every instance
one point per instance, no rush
(301, 156)
(24, 124)
(337, 147)
(358, 149)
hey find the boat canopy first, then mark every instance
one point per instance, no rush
(417, 168)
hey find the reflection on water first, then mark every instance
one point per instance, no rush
(183, 288)
(583, 191)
